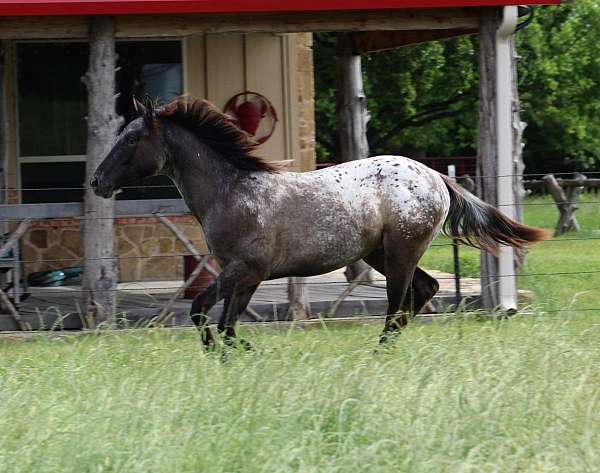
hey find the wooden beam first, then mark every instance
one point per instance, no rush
(124, 208)
(564, 183)
(374, 41)
(144, 26)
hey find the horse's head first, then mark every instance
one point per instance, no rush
(138, 152)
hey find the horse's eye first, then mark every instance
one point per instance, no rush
(131, 141)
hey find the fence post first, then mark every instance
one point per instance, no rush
(298, 299)
(567, 204)
(455, 253)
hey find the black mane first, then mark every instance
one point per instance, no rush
(214, 128)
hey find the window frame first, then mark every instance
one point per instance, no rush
(70, 158)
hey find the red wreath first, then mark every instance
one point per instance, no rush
(250, 110)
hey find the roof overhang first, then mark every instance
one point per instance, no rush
(128, 7)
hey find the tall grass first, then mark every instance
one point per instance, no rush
(517, 395)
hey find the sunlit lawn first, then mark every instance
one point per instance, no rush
(570, 253)
(516, 395)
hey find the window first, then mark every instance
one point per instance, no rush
(52, 109)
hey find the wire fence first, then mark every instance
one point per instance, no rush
(378, 282)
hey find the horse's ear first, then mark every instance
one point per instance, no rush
(139, 107)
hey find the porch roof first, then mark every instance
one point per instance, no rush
(117, 7)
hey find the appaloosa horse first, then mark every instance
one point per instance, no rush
(262, 223)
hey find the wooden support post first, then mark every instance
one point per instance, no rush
(487, 159)
(4, 131)
(566, 203)
(352, 118)
(496, 166)
(298, 300)
(100, 267)
(466, 182)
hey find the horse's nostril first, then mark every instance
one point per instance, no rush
(94, 182)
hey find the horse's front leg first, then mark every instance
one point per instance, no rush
(201, 305)
(233, 308)
(235, 275)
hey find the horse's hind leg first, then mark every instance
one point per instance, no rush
(422, 289)
(400, 261)
(422, 286)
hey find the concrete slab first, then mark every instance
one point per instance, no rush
(139, 302)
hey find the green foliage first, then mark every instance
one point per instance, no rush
(424, 97)
(417, 96)
(560, 86)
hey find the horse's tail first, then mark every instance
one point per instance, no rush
(478, 224)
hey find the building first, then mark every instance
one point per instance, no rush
(217, 48)
(45, 128)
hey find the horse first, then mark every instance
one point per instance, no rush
(263, 223)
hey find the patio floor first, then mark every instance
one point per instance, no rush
(138, 303)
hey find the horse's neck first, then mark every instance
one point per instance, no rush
(201, 176)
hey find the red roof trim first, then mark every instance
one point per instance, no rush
(115, 7)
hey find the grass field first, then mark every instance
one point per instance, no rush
(571, 253)
(516, 395)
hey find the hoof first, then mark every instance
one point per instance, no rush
(239, 343)
(388, 337)
(231, 345)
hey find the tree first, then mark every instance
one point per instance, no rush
(559, 81)
(420, 97)
(423, 98)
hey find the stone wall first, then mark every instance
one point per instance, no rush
(147, 250)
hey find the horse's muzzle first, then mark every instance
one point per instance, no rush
(99, 189)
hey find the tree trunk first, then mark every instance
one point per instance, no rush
(487, 156)
(352, 118)
(100, 270)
